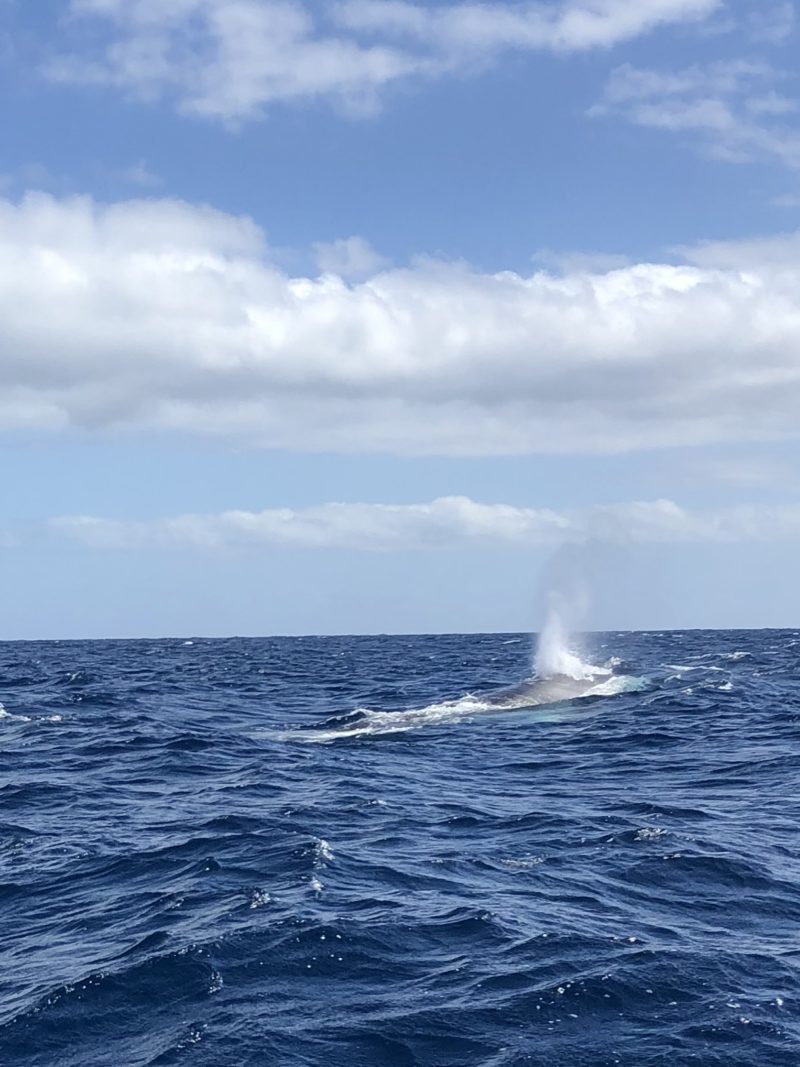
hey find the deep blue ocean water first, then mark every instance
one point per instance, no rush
(206, 860)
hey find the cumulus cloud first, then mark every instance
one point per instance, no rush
(231, 59)
(158, 314)
(734, 109)
(447, 522)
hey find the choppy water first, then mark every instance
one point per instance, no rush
(206, 858)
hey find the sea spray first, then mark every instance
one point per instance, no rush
(554, 658)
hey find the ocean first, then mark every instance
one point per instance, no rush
(337, 851)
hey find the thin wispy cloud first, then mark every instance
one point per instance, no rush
(772, 24)
(349, 257)
(445, 523)
(140, 175)
(230, 60)
(750, 473)
(570, 26)
(739, 111)
(227, 59)
(161, 315)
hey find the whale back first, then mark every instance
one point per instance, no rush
(536, 691)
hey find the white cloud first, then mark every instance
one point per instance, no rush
(231, 59)
(569, 26)
(750, 473)
(772, 24)
(762, 253)
(732, 108)
(581, 262)
(141, 175)
(350, 257)
(363, 526)
(228, 59)
(34, 176)
(158, 314)
(448, 522)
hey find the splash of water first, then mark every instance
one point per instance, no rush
(554, 658)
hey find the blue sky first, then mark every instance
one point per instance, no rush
(345, 317)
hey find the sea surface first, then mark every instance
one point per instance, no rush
(209, 856)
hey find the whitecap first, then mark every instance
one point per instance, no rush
(259, 897)
(322, 851)
(524, 863)
(15, 718)
(649, 833)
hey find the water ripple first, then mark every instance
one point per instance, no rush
(442, 882)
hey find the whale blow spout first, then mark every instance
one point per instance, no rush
(554, 658)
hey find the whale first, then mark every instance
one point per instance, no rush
(552, 689)
(546, 693)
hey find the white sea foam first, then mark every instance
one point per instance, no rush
(650, 833)
(29, 718)
(389, 722)
(323, 853)
(259, 897)
(14, 718)
(524, 863)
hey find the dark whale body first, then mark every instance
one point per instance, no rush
(532, 693)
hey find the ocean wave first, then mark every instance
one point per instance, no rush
(573, 882)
